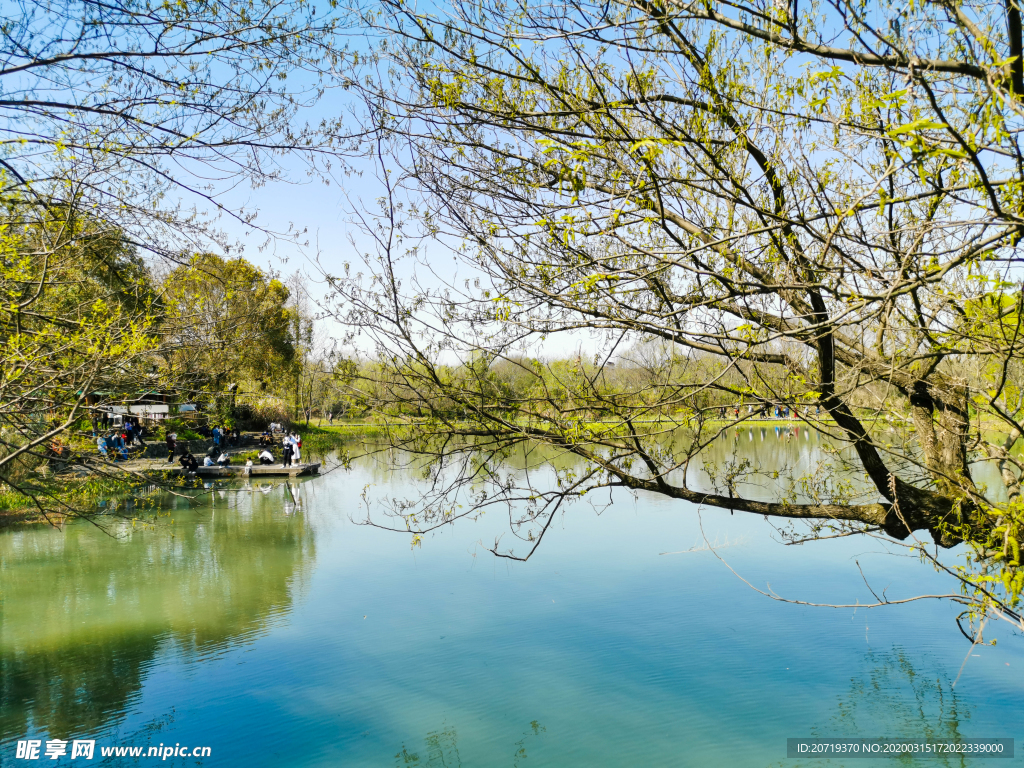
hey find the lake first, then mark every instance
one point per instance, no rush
(261, 622)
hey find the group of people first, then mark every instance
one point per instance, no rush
(216, 456)
(766, 412)
(291, 447)
(223, 436)
(116, 444)
(106, 421)
(188, 462)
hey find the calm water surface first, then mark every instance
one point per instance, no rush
(266, 625)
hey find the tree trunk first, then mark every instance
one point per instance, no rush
(953, 426)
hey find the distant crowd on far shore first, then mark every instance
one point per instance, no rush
(291, 445)
(768, 411)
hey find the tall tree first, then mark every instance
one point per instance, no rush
(308, 361)
(225, 320)
(831, 191)
(79, 317)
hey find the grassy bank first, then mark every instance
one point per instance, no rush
(315, 432)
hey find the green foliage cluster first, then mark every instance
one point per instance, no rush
(86, 324)
(225, 320)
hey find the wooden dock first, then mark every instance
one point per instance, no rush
(259, 470)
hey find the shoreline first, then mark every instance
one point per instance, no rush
(156, 467)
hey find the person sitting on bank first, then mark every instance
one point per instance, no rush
(188, 462)
(209, 462)
(266, 457)
(116, 442)
(224, 460)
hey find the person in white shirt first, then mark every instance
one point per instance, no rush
(208, 462)
(266, 457)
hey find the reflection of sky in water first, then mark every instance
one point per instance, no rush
(275, 631)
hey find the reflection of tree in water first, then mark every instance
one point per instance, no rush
(894, 700)
(84, 615)
(441, 749)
